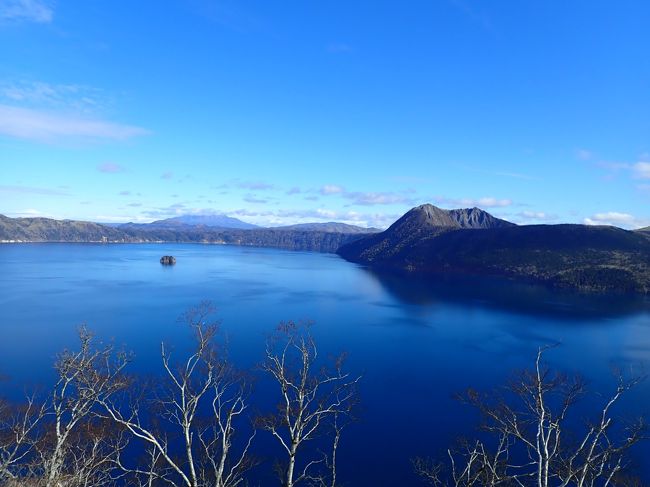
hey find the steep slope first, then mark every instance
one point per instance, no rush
(477, 218)
(423, 222)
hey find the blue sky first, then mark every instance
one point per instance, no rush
(281, 112)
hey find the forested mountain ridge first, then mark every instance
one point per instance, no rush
(50, 230)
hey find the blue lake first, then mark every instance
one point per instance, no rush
(416, 343)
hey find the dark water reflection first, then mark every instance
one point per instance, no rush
(508, 295)
(416, 342)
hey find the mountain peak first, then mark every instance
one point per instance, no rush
(428, 215)
(216, 220)
(422, 222)
(477, 218)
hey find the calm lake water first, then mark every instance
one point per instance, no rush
(416, 343)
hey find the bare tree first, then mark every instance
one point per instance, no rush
(203, 399)
(85, 377)
(532, 442)
(19, 434)
(314, 401)
(57, 440)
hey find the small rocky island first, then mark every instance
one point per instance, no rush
(168, 260)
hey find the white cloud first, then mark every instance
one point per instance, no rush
(30, 213)
(331, 189)
(290, 217)
(623, 220)
(537, 215)
(251, 198)
(371, 198)
(584, 154)
(254, 185)
(532, 217)
(366, 198)
(641, 170)
(25, 10)
(486, 202)
(43, 126)
(39, 93)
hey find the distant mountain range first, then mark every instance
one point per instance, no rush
(330, 227)
(429, 240)
(212, 221)
(218, 229)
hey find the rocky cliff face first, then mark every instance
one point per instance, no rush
(477, 218)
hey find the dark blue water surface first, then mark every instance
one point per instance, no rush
(416, 343)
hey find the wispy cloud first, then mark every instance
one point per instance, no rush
(29, 213)
(366, 198)
(380, 198)
(636, 170)
(25, 11)
(624, 220)
(486, 202)
(251, 198)
(527, 216)
(254, 185)
(111, 168)
(584, 154)
(641, 170)
(43, 126)
(613, 166)
(167, 175)
(537, 215)
(250, 185)
(502, 173)
(38, 94)
(166, 211)
(32, 190)
(289, 217)
(329, 189)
